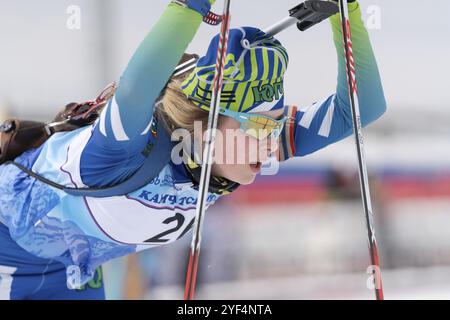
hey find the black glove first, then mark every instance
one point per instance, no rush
(349, 1)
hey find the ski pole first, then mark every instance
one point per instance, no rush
(364, 181)
(305, 12)
(207, 154)
(305, 15)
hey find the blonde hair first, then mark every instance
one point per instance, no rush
(176, 111)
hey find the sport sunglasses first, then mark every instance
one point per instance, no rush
(255, 125)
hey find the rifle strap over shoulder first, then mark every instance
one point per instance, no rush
(158, 156)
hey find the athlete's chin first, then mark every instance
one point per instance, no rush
(247, 179)
(242, 174)
(243, 180)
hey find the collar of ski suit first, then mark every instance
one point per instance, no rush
(189, 172)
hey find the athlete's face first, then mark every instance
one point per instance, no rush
(238, 156)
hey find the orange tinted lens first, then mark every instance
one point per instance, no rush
(261, 127)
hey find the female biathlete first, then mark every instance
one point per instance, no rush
(53, 243)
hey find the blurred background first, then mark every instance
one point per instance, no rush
(300, 234)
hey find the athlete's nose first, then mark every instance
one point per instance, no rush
(273, 145)
(268, 147)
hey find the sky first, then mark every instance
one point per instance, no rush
(44, 65)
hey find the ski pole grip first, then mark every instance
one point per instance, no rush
(313, 12)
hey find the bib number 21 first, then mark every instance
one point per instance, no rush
(179, 219)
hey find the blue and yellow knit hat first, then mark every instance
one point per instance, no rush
(253, 75)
